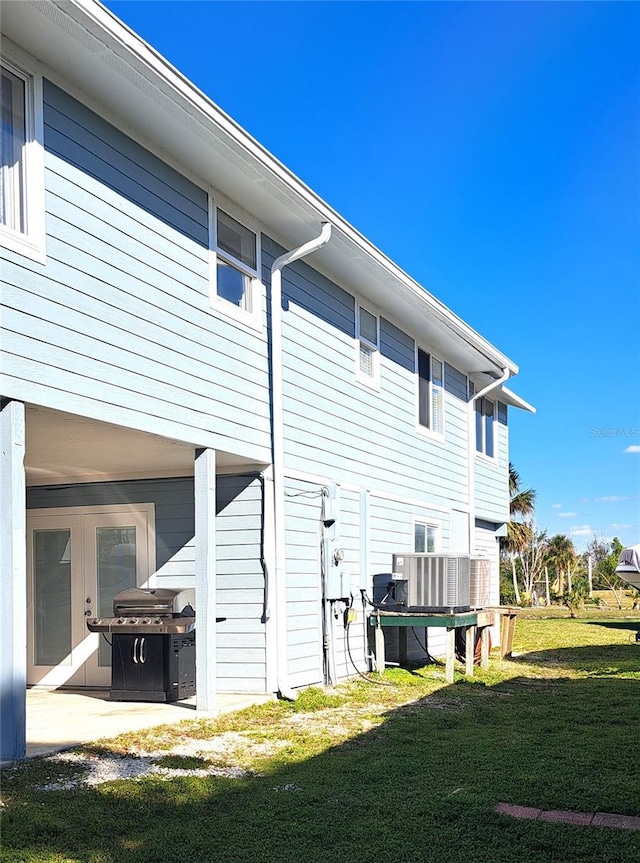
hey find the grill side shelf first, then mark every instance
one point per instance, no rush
(166, 627)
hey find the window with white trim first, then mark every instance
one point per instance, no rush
(368, 343)
(485, 412)
(430, 373)
(22, 162)
(235, 279)
(425, 537)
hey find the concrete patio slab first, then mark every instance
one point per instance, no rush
(62, 718)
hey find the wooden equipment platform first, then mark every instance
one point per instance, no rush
(474, 623)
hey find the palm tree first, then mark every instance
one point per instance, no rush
(561, 552)
(519, 530)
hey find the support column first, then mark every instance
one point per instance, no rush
(13, 584)
(205, 546)
(451, 653)
(470, 649)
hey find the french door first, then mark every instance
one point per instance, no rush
(78, 559)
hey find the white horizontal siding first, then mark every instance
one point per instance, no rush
(118, 325)
(492, 479)
(303, 507)
(335, 426)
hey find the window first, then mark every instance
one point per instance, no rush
(430, 393)
(368, 343)
(425, 537)
(485, 413)
(22, 165)
(14, 139)
(235, 266)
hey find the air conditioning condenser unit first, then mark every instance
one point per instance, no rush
(444, 583)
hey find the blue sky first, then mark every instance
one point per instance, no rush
(493, 151)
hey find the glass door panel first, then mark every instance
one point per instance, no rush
(54, 559)
(52, 597)
(117, 557)
(78, 559)
(116, 571)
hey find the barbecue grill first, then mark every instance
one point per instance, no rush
(148, 611)
(152, 644)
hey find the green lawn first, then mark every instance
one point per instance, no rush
(404, 772)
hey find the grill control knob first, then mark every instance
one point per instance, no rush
(144, 622)
(157, 621)
(133, 620)
(120, 620)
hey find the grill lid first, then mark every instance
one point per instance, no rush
(159, 601)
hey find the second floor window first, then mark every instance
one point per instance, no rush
(22, 165)
(368, 337)
(430, 393)
(485, 414)
(14, 139)
(236, 261)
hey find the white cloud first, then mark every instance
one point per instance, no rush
(583, 530)
(620, 526)
(557, 506)
(567, 514)
(613, 498)
(633, 448)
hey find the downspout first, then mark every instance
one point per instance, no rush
(278, 451)
(471, 460)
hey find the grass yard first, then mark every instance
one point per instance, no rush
(403, 772)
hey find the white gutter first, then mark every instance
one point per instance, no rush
(471, 457)
(277, 432)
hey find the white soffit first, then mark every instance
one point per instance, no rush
(116, 68)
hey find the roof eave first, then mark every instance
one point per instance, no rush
(131, 56)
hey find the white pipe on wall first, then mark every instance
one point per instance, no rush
(277, 432)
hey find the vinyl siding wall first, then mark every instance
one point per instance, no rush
(117, 325)
(492, 475)
(338, 427)
(487, 544)
(303, 510)
(304, 533)
(241, 644)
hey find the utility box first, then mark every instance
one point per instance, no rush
(338, 583)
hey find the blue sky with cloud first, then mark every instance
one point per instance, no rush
(493, 151)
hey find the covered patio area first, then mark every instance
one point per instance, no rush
(63, 718)
(94, 491)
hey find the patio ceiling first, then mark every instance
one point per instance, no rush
(64, 448)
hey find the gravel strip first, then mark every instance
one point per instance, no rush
(107, 768)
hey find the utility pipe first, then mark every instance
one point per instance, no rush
(471, 460)
(277, 450)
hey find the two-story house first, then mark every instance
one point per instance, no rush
(209, 379)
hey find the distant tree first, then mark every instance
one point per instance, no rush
(532, 559)
(604, 557)
(561, 554)
(519, 529)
